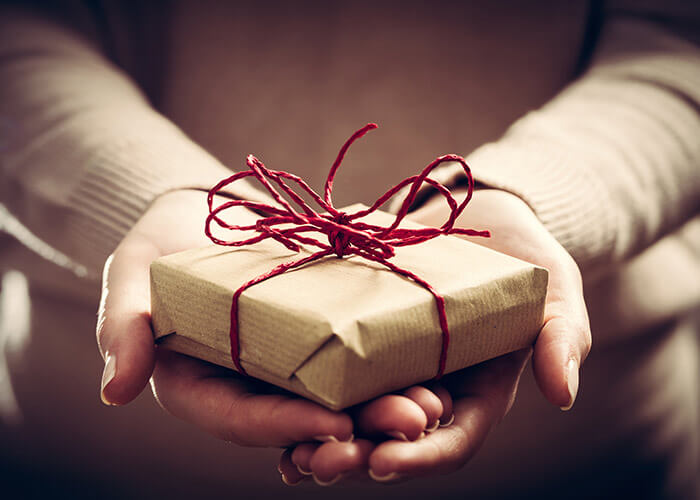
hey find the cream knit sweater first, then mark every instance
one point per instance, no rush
(609, 159)
(610, 164)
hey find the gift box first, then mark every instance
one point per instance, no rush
(340, 331)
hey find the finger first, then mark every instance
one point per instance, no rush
(395, 415)
(333, 461)
(447, 416)
(442, 451)
(230, 408)
(301, 456)
(290, 475)
(560, 350)
(488, 395)
(123, 328)
(565, 339)
(429, 402)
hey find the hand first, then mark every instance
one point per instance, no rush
(406, 416)
(212, 398)
(482, 394)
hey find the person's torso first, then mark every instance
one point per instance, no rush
(290, 82)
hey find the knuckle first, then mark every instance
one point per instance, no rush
(568, 267)
(580, 337)
(455, 454)
(100, 330)
(101, 326)
(159, 395)
(587, 342)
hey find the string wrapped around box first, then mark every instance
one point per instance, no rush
(346, 235)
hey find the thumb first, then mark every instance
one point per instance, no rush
(123, 328)
(561, 348)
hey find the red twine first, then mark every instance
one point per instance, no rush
(346, 235)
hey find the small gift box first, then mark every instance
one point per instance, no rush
(376, 309)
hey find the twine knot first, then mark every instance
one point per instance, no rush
(338, 238)
(346, 233)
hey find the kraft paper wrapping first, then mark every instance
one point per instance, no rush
(342, 331)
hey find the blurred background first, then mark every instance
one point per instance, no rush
(288, 81)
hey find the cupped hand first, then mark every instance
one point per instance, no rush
(212, 398)
(482, 394)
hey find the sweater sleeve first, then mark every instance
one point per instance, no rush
(82, 153)
(613, 162)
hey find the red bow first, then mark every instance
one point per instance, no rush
(346, 235)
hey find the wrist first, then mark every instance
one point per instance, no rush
(435, 211)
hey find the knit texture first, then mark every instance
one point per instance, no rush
(93, 157)
(611, 164)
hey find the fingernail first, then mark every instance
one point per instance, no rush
(332, 439)
(383, 479)
(326, 439)
(303, 471)
(433, 427)
(286, 480)
(398, 435)
(572, 383)
(449, 421)
(326, 483)
(107, 376)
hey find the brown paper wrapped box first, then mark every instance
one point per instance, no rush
(342, 331)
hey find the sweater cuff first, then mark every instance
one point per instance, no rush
(563, 195)
(123, 177)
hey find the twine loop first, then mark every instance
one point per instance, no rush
(346, 234)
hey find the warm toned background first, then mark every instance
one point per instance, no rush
(289, 82)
